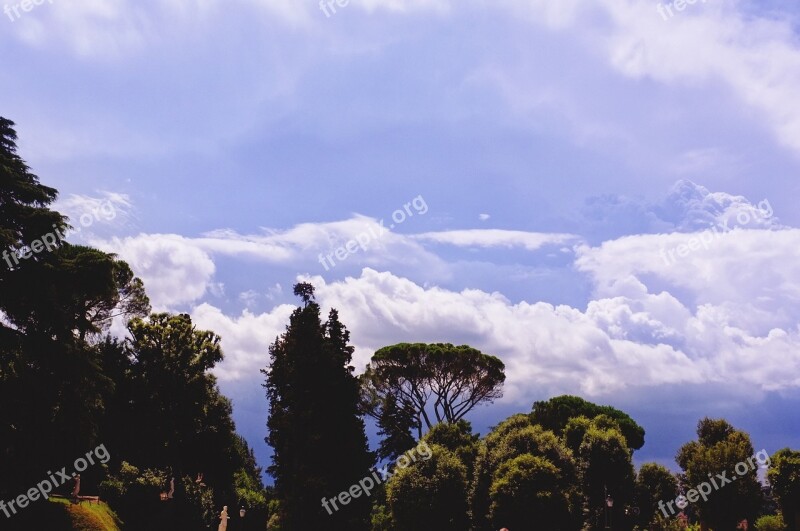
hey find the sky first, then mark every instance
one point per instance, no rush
(601, 193)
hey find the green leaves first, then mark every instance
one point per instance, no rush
(554, 414)
(719, 448)
(528, 489)
(430, 494)
(320, 447)
(439, 382)
(505, 487)
(784, 477)
(654, 483)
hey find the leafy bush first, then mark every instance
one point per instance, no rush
(430, 494)
(133, 494)
(530, 489)
(381, 518)
(770, 523)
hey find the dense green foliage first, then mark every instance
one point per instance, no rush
(553, 476)
(430, 494)
(654, 483)
(771, 523)
(606, 470)
(784, 477)
(427, 384)
(527, 491)
(318, 437)
(65, 389)
(718, 449)
(459, 439)
(554, 414)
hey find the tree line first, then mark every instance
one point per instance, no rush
(567, 465)
(66, 386)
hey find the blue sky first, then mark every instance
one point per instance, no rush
(545, 158)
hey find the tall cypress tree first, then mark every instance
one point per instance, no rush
(320, 446)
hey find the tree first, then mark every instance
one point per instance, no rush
(75, 291)
(719, 450)
(182, 419)
(554, 414)
(575, 431)
(530, 492)
(606, 470)
(459, 439)
(63, 389)
(784, 477)
(50, 378)
(773, 522)
(167, 413)
(430, 494)
(318, 437)
(24, 212)
(432, 380)
(395, 424)
(654, 483)
(512, 438)
(24, 216)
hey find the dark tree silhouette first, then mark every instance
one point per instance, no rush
(554, 414)
(320, 447)
(439, 382)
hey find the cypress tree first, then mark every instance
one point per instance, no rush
(320, 446)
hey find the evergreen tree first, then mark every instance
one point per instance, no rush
(55, 298)
(654, 484)
(318, 437)
(395, 423)
(719, 449)
(784, 477)
(606, 471)
(555, 414)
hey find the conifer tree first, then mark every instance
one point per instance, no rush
(318, 437)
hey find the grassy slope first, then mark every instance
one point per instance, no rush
(91, 516)
(61, 515)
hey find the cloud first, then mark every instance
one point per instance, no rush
(93, 215)
(632, 339)
(688, 207)
(174, 270)
(530, 241)
(112, 29)
(317, 243)
(245, 339)
(178, 270)
(727, 311)
(755, 57)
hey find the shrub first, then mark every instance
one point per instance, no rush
(770, 523)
